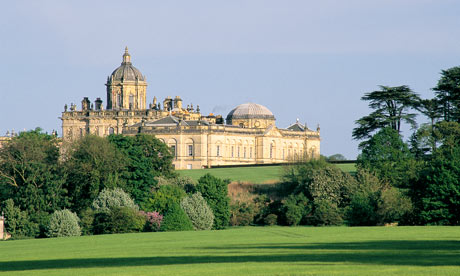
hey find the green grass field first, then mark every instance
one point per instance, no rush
(255, 175)
(243, 251)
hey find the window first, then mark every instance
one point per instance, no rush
(271, 151)
(283, 153)
(190, 150)
(173, 150)
(218, 151)
(232, 151)
(244, 152)
(238, 152)
(111, 130)
(131, 101)
(119, 100)
(250, 152)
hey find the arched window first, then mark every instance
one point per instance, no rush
(131, 101)
(111, 130)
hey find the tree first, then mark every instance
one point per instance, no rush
(198, 211)
(147, 158)
(63, 223)
(336, 157)
(389, 158)
(30, 174)
(391, 107)
(215, 191)
(92, 164)
(326, 188)
(437, 193)
(448, 94)
(111, 198)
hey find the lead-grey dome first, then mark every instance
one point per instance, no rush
(126, 71)
(250, 111)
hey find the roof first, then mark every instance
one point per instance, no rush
(250, 111)
(297, 127)
(173, 121)
(126, 71)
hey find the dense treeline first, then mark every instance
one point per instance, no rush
(101, 185)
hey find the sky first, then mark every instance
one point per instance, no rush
(306, 60)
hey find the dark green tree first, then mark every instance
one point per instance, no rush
(92, 164)
(448, 94)
(392, 106)
(147, 158)
(31, 176)
(215, 191)
(389, 158)
(437, 193)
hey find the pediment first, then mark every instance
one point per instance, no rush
(272, 131)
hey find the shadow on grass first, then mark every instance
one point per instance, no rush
(413, 253)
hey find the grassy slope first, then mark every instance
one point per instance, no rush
(243, 251)
(250, 174)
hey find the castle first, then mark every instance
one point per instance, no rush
(248, 135)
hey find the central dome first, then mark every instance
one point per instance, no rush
(250, 111)
(126, 71)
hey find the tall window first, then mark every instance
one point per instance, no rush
(271, 151)
(218, 151)
(119, 100)
(232, 151)
(111, 130)
(238, 152)
(131, 101)
(190, 150)
(244, 152)
(283, 154)
(250, 152)
(173, 150)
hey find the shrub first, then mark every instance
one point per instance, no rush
(153, 221)
(318, 180)
(242, 213)
(111, 198)
(176, 219)
(198, 211)
(376, 203)
(86, 221)
(17, 222)
(185, 183)
(326, 213)
(63, 223)
(271, 219)
(164, 197)
(118, 220)
(295, 207)
(215, 191)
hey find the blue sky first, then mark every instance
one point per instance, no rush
(311, 60)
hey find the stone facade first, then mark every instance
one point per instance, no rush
(250, 135)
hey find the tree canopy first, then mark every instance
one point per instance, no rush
(448, 94)
(392, 106)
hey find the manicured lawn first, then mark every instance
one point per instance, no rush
(256, 175)
(243, 251)
(348, 167)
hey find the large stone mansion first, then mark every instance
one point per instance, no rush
(248, 135)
